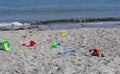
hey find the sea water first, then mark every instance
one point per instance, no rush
(42, 10)
(31, 10)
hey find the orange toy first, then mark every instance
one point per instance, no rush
(96, 51)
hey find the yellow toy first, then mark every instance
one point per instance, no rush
(63, 34)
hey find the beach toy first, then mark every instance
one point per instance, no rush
(0, 45)
(68, 51)
(54, 46)
(71, 50)
(24, 44)
(63, 34)
(62, 52)
(6, 45)
(32, 43)
(96, 52)
(58, 44)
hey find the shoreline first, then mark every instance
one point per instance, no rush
(59, 25)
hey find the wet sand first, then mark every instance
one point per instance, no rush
(42, 59)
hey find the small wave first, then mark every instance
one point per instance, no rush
(76, 20)
(59, 24)
(14, 26)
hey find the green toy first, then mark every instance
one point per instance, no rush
(6, 45)
(54, 46)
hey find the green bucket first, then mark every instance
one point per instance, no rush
(6, 45)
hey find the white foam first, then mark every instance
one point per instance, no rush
(14, 25)
(17, 24)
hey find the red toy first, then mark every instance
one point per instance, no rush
(24, 44)
(32, 43)
(97, 52)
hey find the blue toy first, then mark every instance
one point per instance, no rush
(62, 52)
(72, 50)
(0, 46)
(58, 44)
(68, 51)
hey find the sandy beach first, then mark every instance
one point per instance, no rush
(43, 59)
(31, 41)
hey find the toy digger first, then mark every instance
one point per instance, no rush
(96, 52)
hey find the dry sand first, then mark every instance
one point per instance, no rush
(43, 59)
